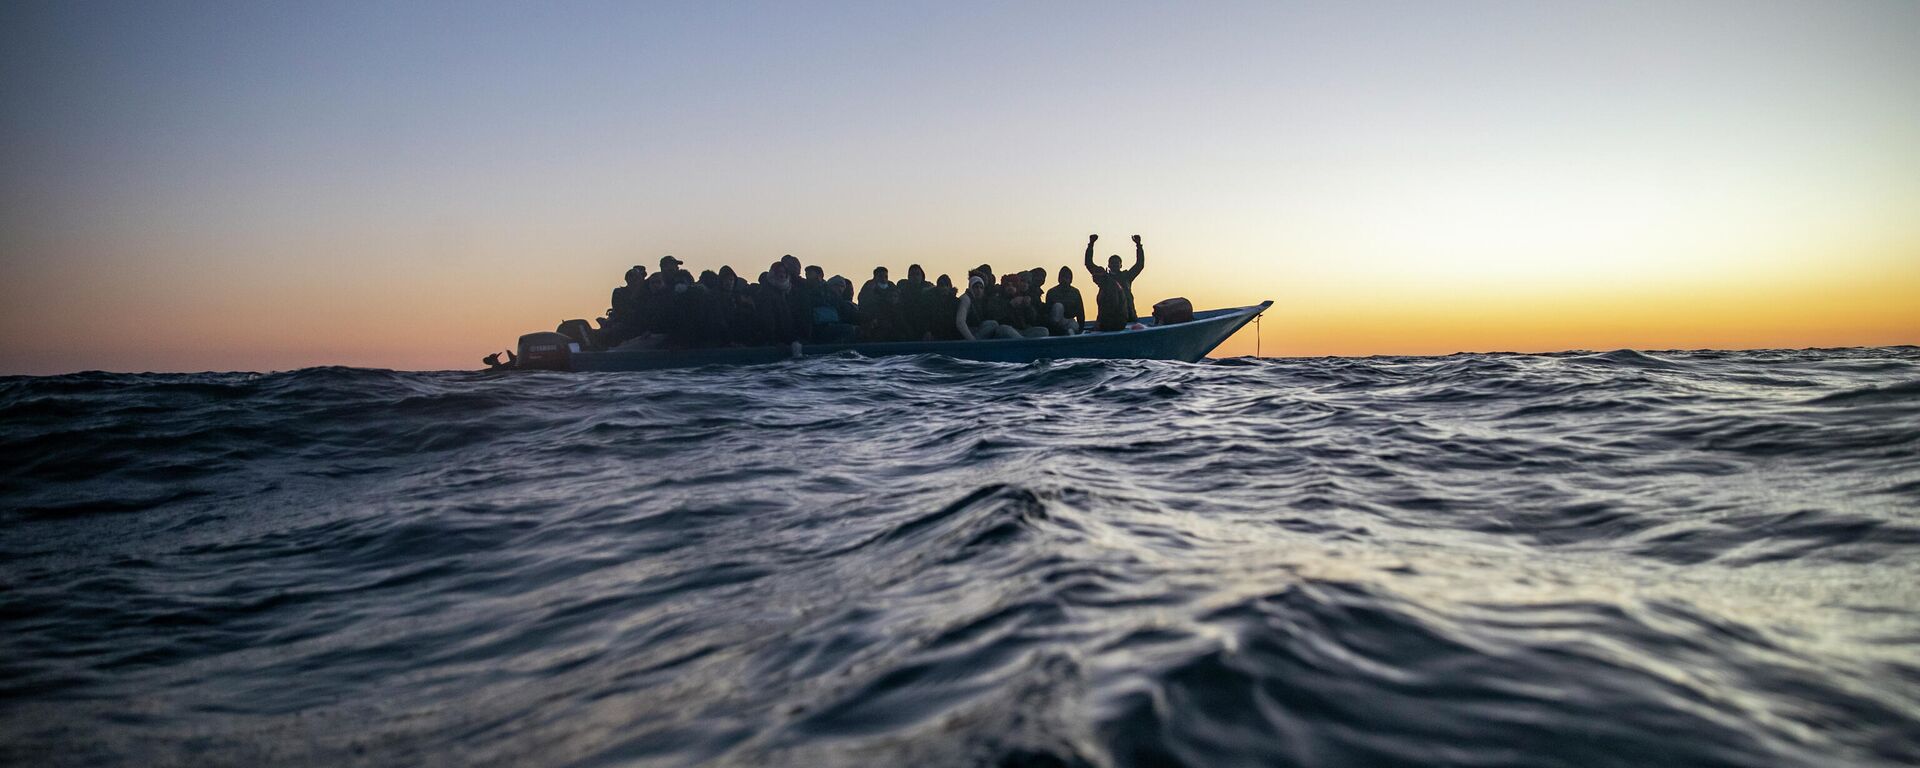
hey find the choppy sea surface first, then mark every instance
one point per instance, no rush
(1607, 559)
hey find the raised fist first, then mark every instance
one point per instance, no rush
(1136, 239)
(1091, 238)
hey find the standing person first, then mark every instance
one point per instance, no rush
(1115, 299)
(1064, 304)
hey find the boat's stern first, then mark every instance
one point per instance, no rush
(547, 351)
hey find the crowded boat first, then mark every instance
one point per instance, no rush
(789, 303)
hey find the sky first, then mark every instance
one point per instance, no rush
(274, 185)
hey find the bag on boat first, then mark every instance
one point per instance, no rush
(1171, 311)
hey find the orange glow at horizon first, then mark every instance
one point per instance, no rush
(336, 184)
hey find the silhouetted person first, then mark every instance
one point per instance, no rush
(773, 308)
(623, 312)
(1115, 299)
(1064, 304)
(654, 307)
(942, 304)
(867, 288)
(670, 270)
(914, 293)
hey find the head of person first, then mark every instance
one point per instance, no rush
(708, 277)
(657, 283)
(669, 264)
(815, 273)
(916, 274)
(1036, 277)
(976, 285)
(766, 278)
(944, 283)
(1066, 276)
(1113, 263)
(727, 275)
(792, 264)
(637, 275)
(880, 274)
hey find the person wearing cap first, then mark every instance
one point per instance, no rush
(672, 275)
(1115, 299)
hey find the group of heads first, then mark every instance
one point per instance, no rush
(788, 270)
(981, 277)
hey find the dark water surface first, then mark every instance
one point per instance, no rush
(1624, 559)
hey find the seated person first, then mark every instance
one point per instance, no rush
(970, 314)
(879, 279)
(1012, 309)
(914, 293)
(624, 313)
(940, 304)
(1064, 307)
(880, 312)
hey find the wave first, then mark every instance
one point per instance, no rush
(1615, 558)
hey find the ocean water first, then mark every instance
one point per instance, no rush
(1610, 559)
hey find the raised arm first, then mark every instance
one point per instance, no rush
(960, 316)
(1092, 269)
(1139, 258)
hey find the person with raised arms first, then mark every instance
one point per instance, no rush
(1115, 299)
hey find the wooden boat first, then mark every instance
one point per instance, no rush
(1185, 342)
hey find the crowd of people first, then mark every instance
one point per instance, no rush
(790, 303)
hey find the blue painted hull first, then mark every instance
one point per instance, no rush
(1186, 342)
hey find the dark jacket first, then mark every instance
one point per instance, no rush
(1067, 297)
(1115, 299)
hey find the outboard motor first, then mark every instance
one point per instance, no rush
(547, 351)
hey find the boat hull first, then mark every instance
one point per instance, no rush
(1186, 342)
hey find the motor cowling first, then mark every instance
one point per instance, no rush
(547, 351)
